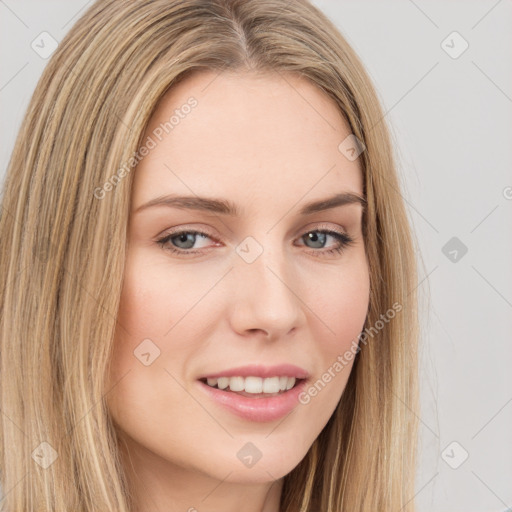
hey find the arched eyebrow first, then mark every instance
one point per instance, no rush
(226, 207)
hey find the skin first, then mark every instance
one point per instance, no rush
(269, 143)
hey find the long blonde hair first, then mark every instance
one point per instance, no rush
(62, 254)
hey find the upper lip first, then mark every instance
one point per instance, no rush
(258, 370)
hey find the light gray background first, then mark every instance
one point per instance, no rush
(451, 120)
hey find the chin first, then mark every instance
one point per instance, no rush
(252, 465)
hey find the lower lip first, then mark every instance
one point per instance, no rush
(257, 409)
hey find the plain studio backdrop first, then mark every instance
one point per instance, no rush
(443, 71)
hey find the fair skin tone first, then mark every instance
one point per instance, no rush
(270, 146)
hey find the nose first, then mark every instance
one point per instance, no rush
(266, 297)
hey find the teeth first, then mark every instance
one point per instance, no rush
(236, 384)
(223, 382)
(254, 385)
(271, 385)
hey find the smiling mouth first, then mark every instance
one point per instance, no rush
(253, 387)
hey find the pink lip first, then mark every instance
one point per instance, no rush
(280, 370)
(257, 409)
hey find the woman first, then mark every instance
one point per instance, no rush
(208, 275)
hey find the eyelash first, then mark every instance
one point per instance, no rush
(343, 239)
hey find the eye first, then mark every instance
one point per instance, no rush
(181, 242)
(319, 237)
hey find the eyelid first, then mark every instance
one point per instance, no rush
(188, 229)
(312, 226)
(319, 226)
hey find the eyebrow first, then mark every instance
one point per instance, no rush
(225, 207)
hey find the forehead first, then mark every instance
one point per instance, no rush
(251, 137)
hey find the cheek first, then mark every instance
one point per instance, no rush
(341, 305)
(158, 300)
(161, 306)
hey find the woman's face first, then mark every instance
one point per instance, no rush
(257, 299)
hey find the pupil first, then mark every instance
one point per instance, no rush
(182, 238)
(317, 238)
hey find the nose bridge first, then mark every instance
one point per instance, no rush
(264, 289)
